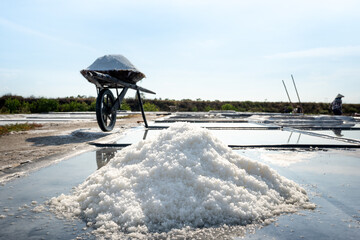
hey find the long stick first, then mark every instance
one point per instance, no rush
(296, 91)
(287, 94)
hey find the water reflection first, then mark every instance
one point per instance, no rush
(291, 133)
(298, 139)
(104, 155)
(337, 132)
(145, 134)
(289, 137)
(286, 158)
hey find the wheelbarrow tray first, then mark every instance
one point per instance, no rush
(103, 80)
(122, 75)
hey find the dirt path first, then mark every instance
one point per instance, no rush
(56, 139)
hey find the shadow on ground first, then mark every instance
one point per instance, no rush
(78, 136)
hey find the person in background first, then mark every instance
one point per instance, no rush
(336, 105)
(298, 109)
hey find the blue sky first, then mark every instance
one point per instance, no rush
(213, 50)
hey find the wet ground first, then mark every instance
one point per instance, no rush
(53, 117)
(317, 156)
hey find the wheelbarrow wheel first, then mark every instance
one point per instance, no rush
(105, 117)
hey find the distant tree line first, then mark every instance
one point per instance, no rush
(187, 105)
(17, 104)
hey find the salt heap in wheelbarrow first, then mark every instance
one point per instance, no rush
(116, 66)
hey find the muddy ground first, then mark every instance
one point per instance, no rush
(55, 141)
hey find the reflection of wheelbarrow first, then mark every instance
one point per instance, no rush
(104, 155)
(113, 71)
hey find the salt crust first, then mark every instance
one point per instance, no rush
(183, 177)
(112, 62)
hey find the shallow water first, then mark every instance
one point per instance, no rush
(331, 179)
(212, 124)
(245, 137)
(351, 134)
(21, 222)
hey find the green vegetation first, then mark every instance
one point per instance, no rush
(150, 107)
(125, 106)
(74, 106)
(18, 127)
(17, 104)
(44, 105)
(228, 106)
(13, 105)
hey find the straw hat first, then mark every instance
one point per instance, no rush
(339, 96)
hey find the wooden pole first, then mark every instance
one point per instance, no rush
(297, 93)
(287, 94)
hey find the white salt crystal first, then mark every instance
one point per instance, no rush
(182, 177)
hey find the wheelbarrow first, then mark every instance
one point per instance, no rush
(117, 72)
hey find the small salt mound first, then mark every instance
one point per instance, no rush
(183, 177)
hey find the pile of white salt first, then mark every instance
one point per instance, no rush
(182, 177)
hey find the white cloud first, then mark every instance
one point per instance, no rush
(319, 52)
